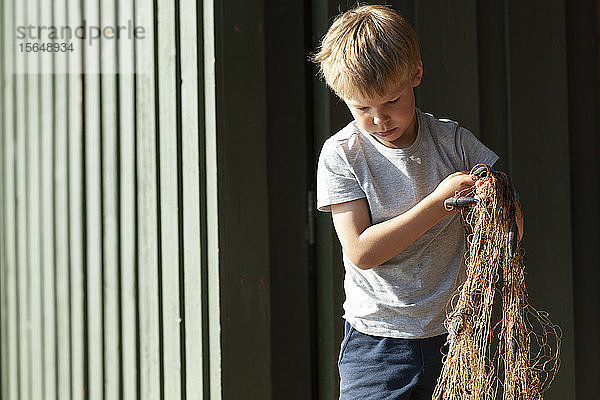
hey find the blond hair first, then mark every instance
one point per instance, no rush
(367, 49)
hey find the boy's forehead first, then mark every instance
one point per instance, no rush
(390, 92)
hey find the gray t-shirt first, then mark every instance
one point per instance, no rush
(405, 297)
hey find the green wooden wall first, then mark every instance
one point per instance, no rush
(158, 231)
(104, 238)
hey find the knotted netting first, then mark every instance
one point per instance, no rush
(514, 348)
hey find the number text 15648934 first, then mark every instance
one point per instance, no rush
(50, 47)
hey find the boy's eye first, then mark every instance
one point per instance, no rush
(394, 101)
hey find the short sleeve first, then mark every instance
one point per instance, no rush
(472, 151)
(336, 182)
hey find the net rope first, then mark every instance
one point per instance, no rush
(514, 350)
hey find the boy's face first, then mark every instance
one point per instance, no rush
(389, 118)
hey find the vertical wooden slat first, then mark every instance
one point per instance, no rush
(539, 120)
(330, 270)
(21, 223)
(61, 213)
(24, 344)
(192, 170)
(212, 203)
(126, 100)
(241, 167)
(33, 179)
(47, 209)
(79, 367)
(169, 135)
(10, 354)
(93, 204)
(3, 259)
(449, 88)
(147, 203)
(292, 336)
(330, 115)
(583, 24)
(493, 90)
(110, 222)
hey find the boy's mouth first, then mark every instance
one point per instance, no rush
(386, 133)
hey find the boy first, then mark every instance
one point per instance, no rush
(384, 177)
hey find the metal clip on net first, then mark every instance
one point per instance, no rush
(481, 170)
(459, 201)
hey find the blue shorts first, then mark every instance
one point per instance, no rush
(378, 368)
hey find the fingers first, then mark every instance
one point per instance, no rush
(460, 173)
(466, 180)
(460, 178)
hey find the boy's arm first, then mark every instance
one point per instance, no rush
(369, 245)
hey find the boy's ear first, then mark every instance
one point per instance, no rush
(418, 75)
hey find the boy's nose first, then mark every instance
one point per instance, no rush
(380, 118)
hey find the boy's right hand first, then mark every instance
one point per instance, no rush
(450, 186)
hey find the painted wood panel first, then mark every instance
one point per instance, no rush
(4, 271)
(92, 186)
(583, 22)
(212, 201)
(61, 213)
(110, 207)
(151, 381)
(10, 275)
(97, 207)
(78, 337)
(193, 201)
(169, 145)
(329, 115)
(293, 339)
(493, 83)
(32, 204)
(46, 226)
(21, 222)
(127, 207)
(539, 144)
(243, 218)
(448, 42)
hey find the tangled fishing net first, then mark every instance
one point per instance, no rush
(518, 351)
